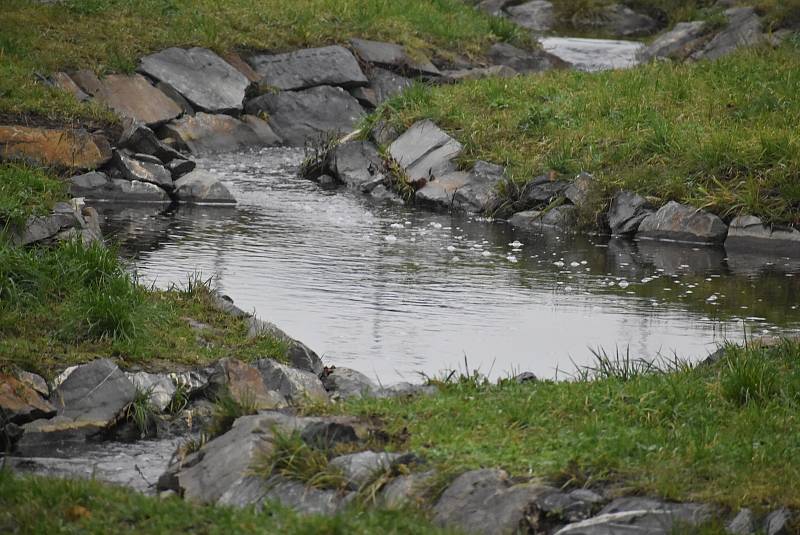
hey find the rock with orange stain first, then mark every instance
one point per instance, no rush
(60, 147)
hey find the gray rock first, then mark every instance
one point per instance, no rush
(263, 130)
(132, 169)
(406, 390)
(537, 15)
(139, 138)
(328, 66)
(618, 20)
(744, 29)
(383, 133)
(296, 385)
(678, 42)
(365, 96)
(300, 356)
(627, 211)
(361, 468)
(158, 385)
(326, 435)
(34, 381)
(131, 191)
(302, 116)
(524, 61)
(479, 73)
(424, 150)
(134, 97)
(20, 403)
(405, 491)
(561, 218)
(481, 189)
(594, 54)
(347, 383)
(205, 133)
(493, 7)
(207, 81)
(579, 189)
(63, 81)
(386, 84)
(178, 168)
(357, 163)
(40, 228)
(780, 522)
(742, 524)
(305, 500)
(245, 385)
(201, 187)
(147, 158)
(749, 233)
(678, 222)
(381, 193)
(392, 56)
(179, 99)
(525, 377)
(543, 190)
(441, 192)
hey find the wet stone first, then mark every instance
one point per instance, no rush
(627, 211)
(678, 222)
(302, 69)
(201, 187)
(425, 150)
(357, 163)
(206, 133)
(141, 139)
(561, 217)
(133, 169)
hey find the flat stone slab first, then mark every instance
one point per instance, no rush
(298, 117)
(207, 81)
(201, 187)
(134, 97)
(98, 187)
(561, 218)
(393, 56)
(143, 171)
(357, 163)
(60, 147)
(594, 54)
(749, 233)
(425, 150)
(206, 133)
(328, 66)
(679, 222)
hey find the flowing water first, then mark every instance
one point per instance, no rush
(393, 291)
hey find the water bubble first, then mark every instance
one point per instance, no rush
(712, 298)
(516, 244)
(558, 264)
(486, 253)
(391, 238)
(396, 225)
(511, 258)
(623, 283)
(574, 264)
(434, 224)
(451, 248)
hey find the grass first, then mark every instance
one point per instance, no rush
(73, 303)
(142, 413)
(111, 35)
(293, 458)
(26, 191)
(725, 433)
(718, 135)
(77, 506)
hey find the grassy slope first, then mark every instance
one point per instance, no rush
(111, 35)
(720, 135)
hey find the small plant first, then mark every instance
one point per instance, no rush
(748, 376)
(180, 398)
(318, 156)
(227, 410)
(142, 413)
(620, 366)
(197, 285)
(292, 458)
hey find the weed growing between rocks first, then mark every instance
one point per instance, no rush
(318, 157)
(142, 413)
(293, 458)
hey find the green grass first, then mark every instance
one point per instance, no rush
(719, 135)
(111, 35)
(26, 191)
(32, 505)
(726, 434)
(73, 303)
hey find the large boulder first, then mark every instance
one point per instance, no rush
(206, 133)
(425, 151)
(134, 97)
(744, 29)
(626, 213)
(357, 163)
(245, 385)
(524, 61)
(749, 233)
(98, 187)
(207, 81)
(328, 66)
(617, 20)
(61, 147)
(20, 403)
(346, 383)
(676, 43)
(392, 56)
(561, 218)
(296, 385)
(537, 15)
(142, 171)
(594, 54)
(201, 187)
(679, 222)
(302, 116)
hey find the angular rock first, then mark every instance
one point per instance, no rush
(178, 168)
(98, 187)
(245, 385)
(147, 158)
(383, 133)
(742, 524)
(87, 230)
(678, 222)
(524, 61)
(750, 233)
(627, 211)
(138, 170)
(201, 187)
(64, 82)
(140, 139)
(425, 151)
(543, 190)
(347, 383)
(537, 15)
(481, 190)
(302, 69)
(561, 217)
(479, 73)
(241, 65)
(298, 117)
(441, 192)
(678, 42)
(263, 130)
(386, 84)
(404, 491)
(19, 403)
(300, 356)
(357, 163)
(365, 96)
(210, 134)
(134, 97)
(392, 56)
(305, 500)
(361, 468)
(618, 20)
(296, 385)
(160, 387)
(36, 382)
(327, 435)
(579, 189)
(60, 147)
(744, 29)
(176, 97)
(592, 55)
(207, 81)
(88, 81)
(40, 228)
(780, 523)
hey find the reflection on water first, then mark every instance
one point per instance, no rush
(391, 292)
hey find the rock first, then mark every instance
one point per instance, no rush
(176, 97)
(440, 193)
(133, 169)
(641, 515)
(88, 229)
(357, 163)
(134, 97)
(208, 82)
(295, 385)
(365, 96)
(210, 134)
(147, 158)
(328, 435)
(305, 500)
(241, 65)
(36, 382)
(424, 150)
(60, 147)
(40, 228)
(525, 377)
(361, 468)
(347, 383)
(263, 130)
(178, 168)
(98, 187)
(594, 54)
(543, 190)
(63, 81)
(381, 193)
(561, 217)
(19, 403)
(302, 69)
(750, 233)
(245, 385)
(405, 491)
(627, 211)
(299, 355)
(779, 523)
(160, 387)
(201, 187)
(579, 189)
(481, 189)
(406, 390)
(678, 222)
(386, 84)
(742, 524)
(677, 43)
(524, 61)
(383, 133)
(138, 138)
(619, 21)
(493, 7)
(744, 29)
(537, 15)
(478, 73)
(302, 116)
(392, 56)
